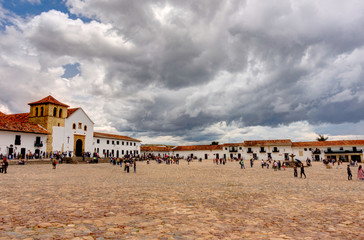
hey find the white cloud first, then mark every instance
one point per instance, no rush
(193, 71)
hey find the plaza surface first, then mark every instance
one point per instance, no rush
(197, 201)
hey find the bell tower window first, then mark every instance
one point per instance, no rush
(41, 111)
(60, 112)
(55, 112)
(36, 112)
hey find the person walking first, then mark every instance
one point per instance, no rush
(5, 165)
(54, 163)
(360, 173)
(295, 171)
(127, 165)
(302, 170)
(350, 176)
(242, 163)
(251, 163)
(262, 163)
(134, 165)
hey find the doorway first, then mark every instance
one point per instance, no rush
(79, 148)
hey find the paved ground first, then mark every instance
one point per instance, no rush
(196, 201)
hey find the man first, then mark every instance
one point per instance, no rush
(302, 170)
(350, 176)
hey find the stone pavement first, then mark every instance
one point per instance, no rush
(196, 201)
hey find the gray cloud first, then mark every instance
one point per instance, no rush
(176, 68)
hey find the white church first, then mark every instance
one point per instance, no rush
(52, 126)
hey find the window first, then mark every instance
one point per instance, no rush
(17, 140)
(55, 112)
(354, 149)
(127, 143)
(79, 125)
(134, 144)
(122, 152)
(107, 142)
(59, 124)
(74, 126)
(250, 150)
(225, 148)
(85, 128)
(97, 140)
(60, 112)
(239, 148)
(117, 142)
(36, 112)
(113, 142)
(305, 149)
(275, 149)
(262, 149)
(341, 148)
(122, 143)
(329, 149)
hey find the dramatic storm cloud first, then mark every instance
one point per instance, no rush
(191, 71)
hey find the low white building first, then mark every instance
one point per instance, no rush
(199, 151)
(233, 150)
(21, 138)
(265, 149)
(346, 150)
(112, 145)
(156, 151)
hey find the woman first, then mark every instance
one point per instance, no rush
(360, 173)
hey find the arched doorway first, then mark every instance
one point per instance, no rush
(79, 148)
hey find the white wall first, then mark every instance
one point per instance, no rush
(199, 153)
(79, 116)
(156, 153)
(124, 147)
(7, 138)
(268, 149)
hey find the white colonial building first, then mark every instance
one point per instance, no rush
(111, 145)
(156, 151)
(199, 151)
(21, 138)
(51, 126)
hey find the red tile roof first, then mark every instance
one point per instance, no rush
(70, 111)
(233, 144)
(19, 123)
(114, 136)
(155, 149)
(280, 142)
(48, 100)
(198, 147)
(2, 114)
(328, 143)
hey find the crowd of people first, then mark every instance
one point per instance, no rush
(130, 162)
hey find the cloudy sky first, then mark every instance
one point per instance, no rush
(188, 72)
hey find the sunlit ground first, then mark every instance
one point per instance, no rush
(196, 201)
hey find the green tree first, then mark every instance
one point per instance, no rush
(321, 138)
(215, 143)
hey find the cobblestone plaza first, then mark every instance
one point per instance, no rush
(197, 201)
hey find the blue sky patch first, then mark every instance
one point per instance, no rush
(71, 70)
(25, 8)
